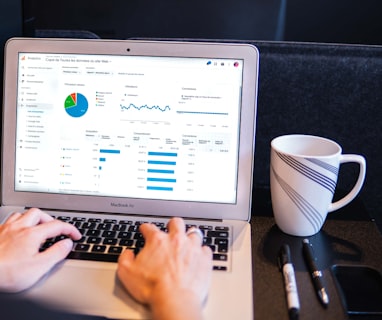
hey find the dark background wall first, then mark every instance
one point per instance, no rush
(336, 21)
(343, 21)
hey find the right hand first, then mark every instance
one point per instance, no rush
(172, 272)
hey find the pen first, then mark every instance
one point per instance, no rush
(286, 267)
(316, 274)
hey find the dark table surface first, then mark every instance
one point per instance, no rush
(348, 237)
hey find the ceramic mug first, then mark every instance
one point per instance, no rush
(303, 176)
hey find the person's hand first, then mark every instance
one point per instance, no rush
(21, 263)
(171, 274)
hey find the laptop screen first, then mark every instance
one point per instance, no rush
(128, 126)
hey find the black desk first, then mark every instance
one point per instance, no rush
(347, 237)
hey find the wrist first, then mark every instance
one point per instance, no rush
(175, 303)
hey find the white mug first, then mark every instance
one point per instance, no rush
(303, 177)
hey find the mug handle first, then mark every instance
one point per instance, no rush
(357, 187)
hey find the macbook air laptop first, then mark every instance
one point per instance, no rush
(109, 134)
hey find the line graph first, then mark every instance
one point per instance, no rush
(154, 107)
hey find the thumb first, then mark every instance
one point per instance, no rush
(56, 253)
(125, 260)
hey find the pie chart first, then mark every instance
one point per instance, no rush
(76, 105)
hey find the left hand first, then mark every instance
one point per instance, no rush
(21, 262)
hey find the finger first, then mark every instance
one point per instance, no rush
(55, 253)
(55, 228)
(34, 216)
(148, 230)
(129, 274)
(207, 251)
(125, 259)
(195, 235)
(13, 217)
(176, 225)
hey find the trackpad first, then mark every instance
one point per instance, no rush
(87, 287)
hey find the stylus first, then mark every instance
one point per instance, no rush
(286, 267)
(315, 273)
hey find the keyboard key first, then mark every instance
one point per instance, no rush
(217, 234)
(219, 257)
(124, 235)
(93, 233)
(93, 256)
(104, 226)
(89, 225)
(94, 240)
(221, 241)
(115, 250)
(138, 236)
(77, 224)
(82, 247)
(203, 227)
(111, 221)
(99, 248)
(119, 227)
(110, 241)
(219, 268)
(63, 218)
(139, 243)
(79, 219)
(207, 241)
(82, 240)
(133, 228)
(223, 248)
(109, 234)
(129, 222)
(126, 242)
(58, 238)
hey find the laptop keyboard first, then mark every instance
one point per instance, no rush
(105, 239)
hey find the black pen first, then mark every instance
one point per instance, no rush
(286, 266)
(315, 273)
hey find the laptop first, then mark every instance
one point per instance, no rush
(124, 132)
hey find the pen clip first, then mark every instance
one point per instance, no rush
(311, 248)
(311, 252)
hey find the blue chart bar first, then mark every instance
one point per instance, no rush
(102, 159)
(168, 163)
(163, 154)
(160, 171)
(158, 154)
(110, 151)
(159, 188)
(161, 180)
